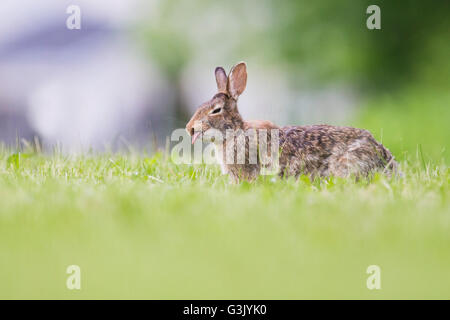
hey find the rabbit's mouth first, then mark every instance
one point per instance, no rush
(195, 136)
(208, 135)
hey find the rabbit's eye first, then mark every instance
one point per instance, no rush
(216, 110)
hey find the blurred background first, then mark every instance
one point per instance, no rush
(136, 70)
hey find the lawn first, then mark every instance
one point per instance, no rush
(142, 227)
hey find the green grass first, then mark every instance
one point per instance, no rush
(143, 227)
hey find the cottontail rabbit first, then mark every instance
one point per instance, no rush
(316, 150)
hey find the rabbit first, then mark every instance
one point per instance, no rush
(312, 150)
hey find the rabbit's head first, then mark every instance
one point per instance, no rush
(221, 112)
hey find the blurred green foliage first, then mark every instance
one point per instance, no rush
(410, 122)
(332, 38)
(325, 40)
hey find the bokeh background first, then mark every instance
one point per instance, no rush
(138, 69)
(140, 226)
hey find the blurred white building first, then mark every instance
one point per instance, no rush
(83, 88)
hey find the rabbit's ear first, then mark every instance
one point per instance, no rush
(237, 80)
(221, 79)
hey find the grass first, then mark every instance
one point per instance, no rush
(143, 227)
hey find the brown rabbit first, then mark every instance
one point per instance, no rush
(316, 150)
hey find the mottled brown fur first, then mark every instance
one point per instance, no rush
(316, 150)
(324, 150)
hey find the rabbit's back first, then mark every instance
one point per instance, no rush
(326, 150)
